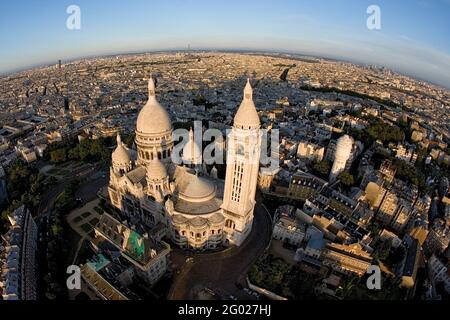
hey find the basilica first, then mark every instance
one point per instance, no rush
(192, 206)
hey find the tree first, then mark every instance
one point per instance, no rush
(322, 168)
(396, 256)
(58, 156)
(199, 100)
(347, 179)
(410, 174)
(19, 174)
(385, 132)
(129, 141)
(384, 250)
(256, 276)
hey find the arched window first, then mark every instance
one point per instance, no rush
(230, 224)
(240, 149)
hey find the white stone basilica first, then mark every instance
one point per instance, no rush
(197, 210)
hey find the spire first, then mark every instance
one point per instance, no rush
(119, 140)
(247, 116)
(191, 141)
(248, 91)
(214, 173)
(151, 88)
(191, 152)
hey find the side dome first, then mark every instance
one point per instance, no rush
(156, 170)
(153, 118)
(121, 156)
(247, 116)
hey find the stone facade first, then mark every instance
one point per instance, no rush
(198, 210)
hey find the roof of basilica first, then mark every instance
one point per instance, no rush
(196, 189)
(196, 195)
(138, 175)
(198, 221)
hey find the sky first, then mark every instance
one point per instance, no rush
(414, 38)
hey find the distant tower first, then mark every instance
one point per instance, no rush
(243, 155)
(153, 131)
(343, 150)
(59, 64)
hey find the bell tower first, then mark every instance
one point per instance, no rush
(243, 155)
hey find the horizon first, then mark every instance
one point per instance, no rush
(213, 50)
(413, 39)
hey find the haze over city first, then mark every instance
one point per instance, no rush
(413, 38)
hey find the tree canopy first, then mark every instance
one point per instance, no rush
(322, 169)
(347, 179)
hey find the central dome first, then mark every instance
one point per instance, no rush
(197, 189)
(153, 118)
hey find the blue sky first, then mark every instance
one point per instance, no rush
(414, 38)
